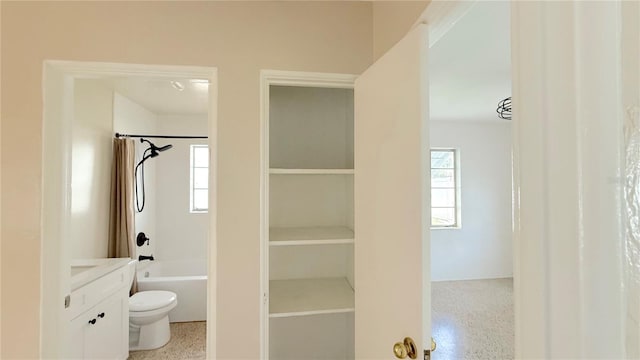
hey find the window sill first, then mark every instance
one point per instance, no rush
(446, 228)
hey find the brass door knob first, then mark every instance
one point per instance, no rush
(399, 350)
(406, 348)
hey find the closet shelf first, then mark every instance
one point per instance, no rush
(320, 235)
(303, 297)
(280, 171)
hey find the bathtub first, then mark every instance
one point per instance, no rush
(186, 278)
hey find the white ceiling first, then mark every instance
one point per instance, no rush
(470, 66)
(161, 97)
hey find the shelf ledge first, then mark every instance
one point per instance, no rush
(280, 171)
(310, 313)
(311, 242)
(303, 297)
(318, 235)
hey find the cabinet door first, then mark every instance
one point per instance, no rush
(77, 337)
(104, 339)
(392, 195)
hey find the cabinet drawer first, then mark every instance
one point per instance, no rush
(91, 294)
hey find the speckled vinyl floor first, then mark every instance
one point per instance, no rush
(187, 342)
(473, 319)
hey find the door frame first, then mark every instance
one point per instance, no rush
(282, 78)
(58, 87)
(564, 263)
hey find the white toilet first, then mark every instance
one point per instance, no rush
(149, 319)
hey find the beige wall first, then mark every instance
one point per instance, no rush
(391, 21)
(1, 186)
(239, 38)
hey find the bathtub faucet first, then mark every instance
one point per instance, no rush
(142, 257)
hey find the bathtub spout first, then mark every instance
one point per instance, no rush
(142, 257)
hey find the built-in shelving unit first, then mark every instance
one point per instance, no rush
(310, 216)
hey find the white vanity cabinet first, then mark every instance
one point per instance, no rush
(309, 210)
(99, 315)
(98, 332)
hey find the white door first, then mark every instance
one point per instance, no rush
(392, 201)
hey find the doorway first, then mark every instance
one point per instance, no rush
(125, 86)
(471, 172)
(567, 136)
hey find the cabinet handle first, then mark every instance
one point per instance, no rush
(92, 321)
(101, 315)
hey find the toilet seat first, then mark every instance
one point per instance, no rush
(146, 301)
(150, 313)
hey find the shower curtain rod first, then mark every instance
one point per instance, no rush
(118, 135)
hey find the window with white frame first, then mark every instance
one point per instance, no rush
(445, 189)
(199, 178)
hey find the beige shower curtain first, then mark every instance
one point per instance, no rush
(121, 214)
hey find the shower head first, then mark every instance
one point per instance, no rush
(154, 149)
(150, 152)
(163, 148)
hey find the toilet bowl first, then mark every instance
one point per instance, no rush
(149, 319)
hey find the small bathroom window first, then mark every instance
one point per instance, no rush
(199, 178)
